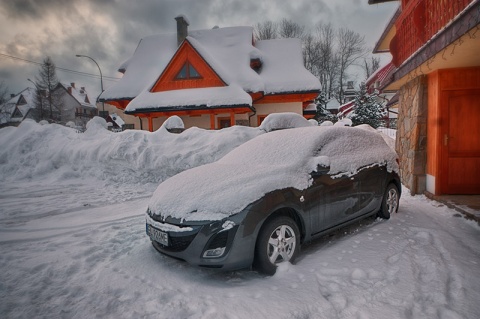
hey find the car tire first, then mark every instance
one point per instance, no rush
(278, 241)
(389, 202)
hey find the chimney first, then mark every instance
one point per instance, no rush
(12, 95)
(72, 84)
(182, 28)
(70, 89)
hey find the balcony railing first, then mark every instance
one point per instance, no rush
(421, 20)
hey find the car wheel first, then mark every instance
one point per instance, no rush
(389, 202)
(278, 241)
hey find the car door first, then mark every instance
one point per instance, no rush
(372, 186)
(332, 201)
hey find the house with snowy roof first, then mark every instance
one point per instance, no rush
(19, 107)
(212, 78)
(76, 105)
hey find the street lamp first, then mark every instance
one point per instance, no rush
(101, 77)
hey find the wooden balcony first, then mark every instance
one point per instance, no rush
(419, 22)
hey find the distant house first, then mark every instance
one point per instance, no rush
(435, 50)
(349, 92)
(389, 98)
(345, 109)
(212, 78)
(19, 107)
(76, 105)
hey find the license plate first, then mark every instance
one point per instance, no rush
(157, 235)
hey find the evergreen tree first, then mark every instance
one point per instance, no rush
(48, 100)
(367, 109)
(323, 114)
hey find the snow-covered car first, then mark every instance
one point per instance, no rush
(263, 200)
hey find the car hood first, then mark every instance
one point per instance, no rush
(215, 191)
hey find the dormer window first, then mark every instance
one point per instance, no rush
(187, 72)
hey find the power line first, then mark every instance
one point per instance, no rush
(109, 78)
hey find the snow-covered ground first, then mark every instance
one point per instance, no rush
(73, 243)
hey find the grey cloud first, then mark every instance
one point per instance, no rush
(35, 9)
(111, 44)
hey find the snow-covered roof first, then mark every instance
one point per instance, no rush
(117, 119)
(232, 95)
(23, 101)
(380, 75)
(147, 63)
(346, 108)
(333, 104)
(228, 51)
(283, 70)
(79, 94)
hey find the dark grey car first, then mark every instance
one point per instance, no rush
(262, 201)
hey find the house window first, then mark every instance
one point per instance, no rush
(224, 122)
(260, 119)
(187, 72)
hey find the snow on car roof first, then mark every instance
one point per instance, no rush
(276, 160)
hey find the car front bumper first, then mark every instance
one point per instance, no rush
(216, 244)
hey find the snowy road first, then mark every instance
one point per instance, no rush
(67, 254)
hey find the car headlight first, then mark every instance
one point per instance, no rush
(220, 242)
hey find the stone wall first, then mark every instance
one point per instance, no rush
(411, 142)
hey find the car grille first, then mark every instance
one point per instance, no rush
(177, 244)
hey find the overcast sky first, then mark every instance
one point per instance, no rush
(109, 30)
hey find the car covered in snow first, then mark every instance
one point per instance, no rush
(259, 203)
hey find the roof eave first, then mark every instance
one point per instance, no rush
(383, 44)
(379, 1)
(185, 108)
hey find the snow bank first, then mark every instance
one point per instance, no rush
(387, 134)
(279, 121)
(52, 151)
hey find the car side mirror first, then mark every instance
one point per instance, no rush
(321, 170)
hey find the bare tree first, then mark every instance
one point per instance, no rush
(328, 59)
(291, 29)
(370, 66)
(48, 100)
(3, 92)
(266, 30)
(351, 47)
(4, 112)
(311, 54)
(327, 53)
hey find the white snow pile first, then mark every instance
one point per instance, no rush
(173, 122)
(384, 133)
(278, 121)
(343, 122)
(56, 152)
(275, 160)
